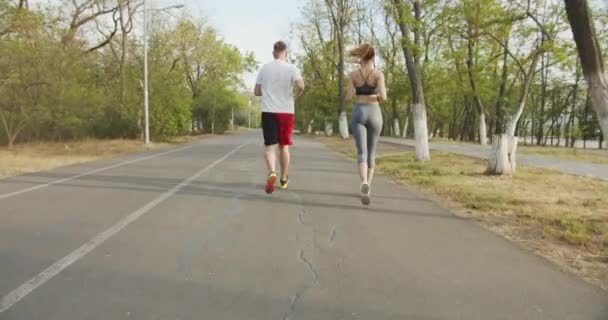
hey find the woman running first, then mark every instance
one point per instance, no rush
(368, 85)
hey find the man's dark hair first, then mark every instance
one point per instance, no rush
(280, 46)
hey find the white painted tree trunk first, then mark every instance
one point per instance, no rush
(512, 125)
(421, 133)
(309, 130)
(483, 131)
(343, 124)
(503, 160)
(329, 128)
(396, 127)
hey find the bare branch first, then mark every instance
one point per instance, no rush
(78, 21)
(506, 47)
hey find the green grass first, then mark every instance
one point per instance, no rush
(592, 156)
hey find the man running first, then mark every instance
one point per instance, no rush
(275, 84)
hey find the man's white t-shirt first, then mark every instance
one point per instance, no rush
(276, 79)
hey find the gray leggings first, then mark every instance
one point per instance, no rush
(366, 124)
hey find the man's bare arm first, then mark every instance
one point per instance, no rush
(258, 90)
(299, 87)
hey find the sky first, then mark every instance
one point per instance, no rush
(251, 25)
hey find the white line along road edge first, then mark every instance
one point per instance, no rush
(44, 185)
(23, 290)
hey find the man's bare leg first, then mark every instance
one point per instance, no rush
(285, 157)
(271, 159)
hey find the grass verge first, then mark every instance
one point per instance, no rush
(33, 157)
(560, 216)
(583, 155)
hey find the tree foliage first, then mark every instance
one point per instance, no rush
(75, 69)
(487, 57)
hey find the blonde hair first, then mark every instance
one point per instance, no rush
(365, 52)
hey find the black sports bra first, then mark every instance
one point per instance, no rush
(365, 89)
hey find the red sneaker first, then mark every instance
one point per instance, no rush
(270, 182)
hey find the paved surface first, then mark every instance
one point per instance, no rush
(483, 152)
(190, 235)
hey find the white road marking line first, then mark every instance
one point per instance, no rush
(26, 288)
(40, 186)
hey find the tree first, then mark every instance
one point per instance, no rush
(20, 86)
(394, 70)
(319, 63)
(340, 12)
(472, 31)
(590, 54)
(503, 160)
(401, 13)
(73, 69)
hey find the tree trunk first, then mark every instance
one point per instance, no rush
(553, 118)
(483, 139)
(309, 129)
(343, 123)
(543, 101)
(590, 54)
(559, 134)
(421, 133)
(340, 27)
(503, 157)
(585, 123)
(415, 75)
(406, 124)
(232, 119)
(504, 147)
(396, 127)
(123, 53)
(329, 128)
(12, 132)
(569, 134)
(502, 91)
(512, 125)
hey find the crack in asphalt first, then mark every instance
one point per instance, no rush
(305, 261)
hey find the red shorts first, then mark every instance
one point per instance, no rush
(277, 128)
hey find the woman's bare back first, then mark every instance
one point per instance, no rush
(358, 78)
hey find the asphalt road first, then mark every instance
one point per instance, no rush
(188, 233)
